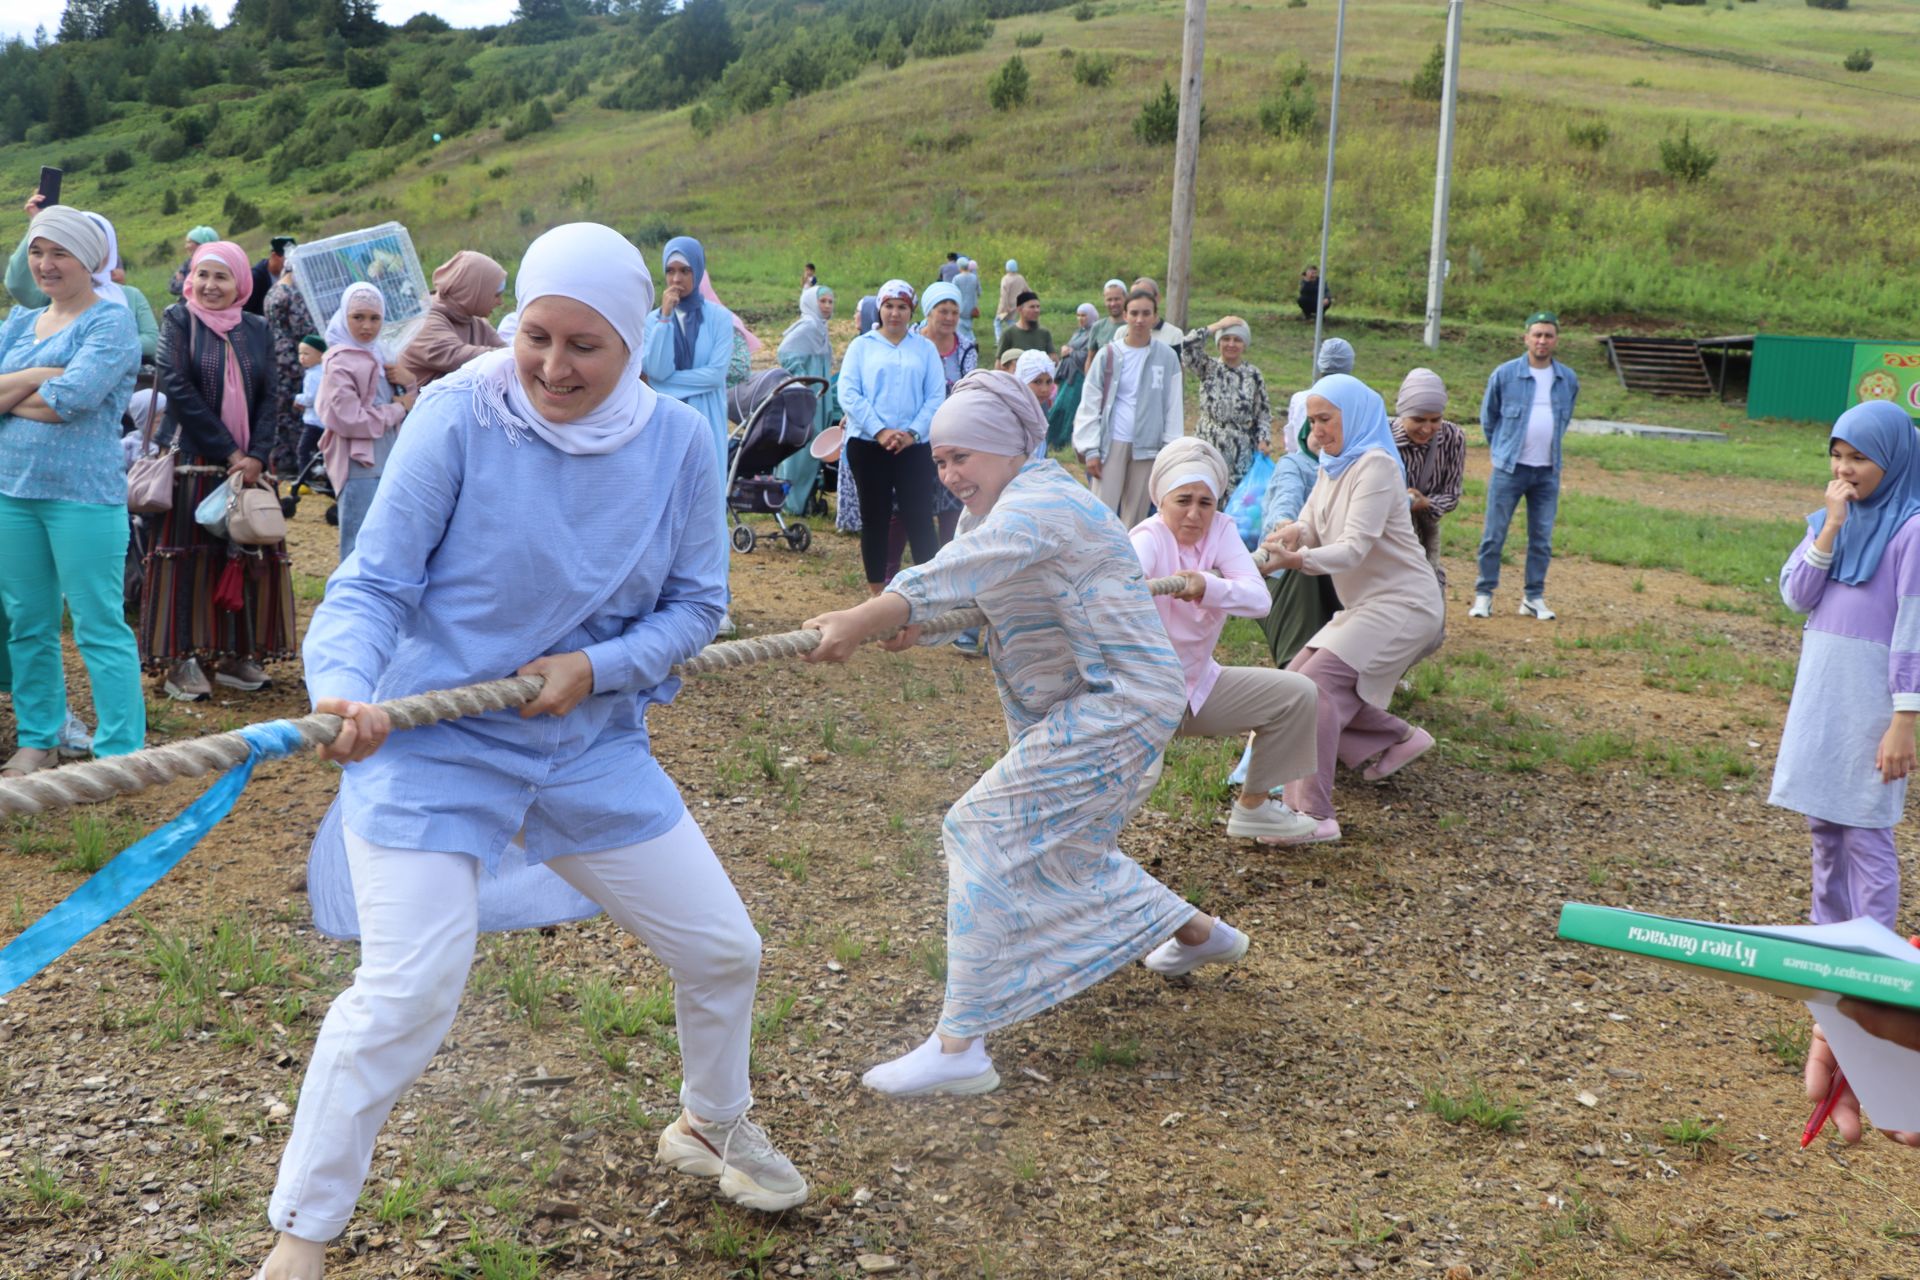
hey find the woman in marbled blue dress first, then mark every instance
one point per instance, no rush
(1041, 903)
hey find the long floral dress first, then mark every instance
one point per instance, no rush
(1235, 415)
(289, 321)
(1041, 903)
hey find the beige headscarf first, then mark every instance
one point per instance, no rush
(992, 412)
(1184, 461)
(1421, 393)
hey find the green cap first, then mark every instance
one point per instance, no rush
(1543, 317)
(315, 341)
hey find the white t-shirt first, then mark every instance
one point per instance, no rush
(1537, 449)
(1125, 389)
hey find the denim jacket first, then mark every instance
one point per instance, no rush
(1509, 401)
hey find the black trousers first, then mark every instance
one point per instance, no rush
(886, 482)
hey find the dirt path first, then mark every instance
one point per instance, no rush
(1263, 1121)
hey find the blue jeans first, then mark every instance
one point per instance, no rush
(1540, 486)
(50, 550)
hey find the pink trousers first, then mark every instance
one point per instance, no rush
(1351, 730)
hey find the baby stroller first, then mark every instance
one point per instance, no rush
(312, 478)
(775, 412)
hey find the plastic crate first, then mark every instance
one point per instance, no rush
(382, 256)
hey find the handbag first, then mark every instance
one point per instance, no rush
(150, 479)
(254, 518)
(1248, 499)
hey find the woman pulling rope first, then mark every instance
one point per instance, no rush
(1041, 903)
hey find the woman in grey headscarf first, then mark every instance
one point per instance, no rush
(1235, 415)
(1335, 356)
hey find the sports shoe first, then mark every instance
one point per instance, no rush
(726, 630)
(74, 739)
(1225, 945)
(243, 674)
(188, 683)
(1399, 756)
(1483, 607)
(1238, 778)
(751, 1171)
(1271, 823)
(1536, 607)
(970, 643)
(928, 1069)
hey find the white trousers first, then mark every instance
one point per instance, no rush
(418, 924)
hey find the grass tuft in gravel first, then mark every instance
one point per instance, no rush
(1475, 1107)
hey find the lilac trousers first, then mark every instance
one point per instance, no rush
(1351, 730)
(1855, 873)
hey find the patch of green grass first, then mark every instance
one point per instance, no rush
(1121, 1053)
(40, 1184)
(396, 1201)
(930, 956)
(792, 864)
(768, 1021)
(606, 1010)
(309, 588)
(483, 1256)
(1577, 1217)
(1787, 1040)
(530, 989)
(95, 840)
(1692, 1133)
(1023, 1166)
(846, 947)
(1475, 1107)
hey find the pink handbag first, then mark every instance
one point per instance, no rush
(150, 479)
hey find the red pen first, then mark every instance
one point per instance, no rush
(1821, 1113)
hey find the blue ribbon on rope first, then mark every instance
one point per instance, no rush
(138, 867)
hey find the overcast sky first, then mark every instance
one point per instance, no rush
(20, 17)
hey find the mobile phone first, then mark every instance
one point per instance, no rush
(49, 185)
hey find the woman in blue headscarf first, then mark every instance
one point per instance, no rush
(1356, 530)
(1848, 744)
(686, 347)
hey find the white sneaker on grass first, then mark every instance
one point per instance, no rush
(1271, 823)
(1536, 607)
(738, 1152)
(1225, 945)
(74, 740)
(929, 1069)
(1482, 607)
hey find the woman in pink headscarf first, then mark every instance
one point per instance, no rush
(466, 289)
(209, 603)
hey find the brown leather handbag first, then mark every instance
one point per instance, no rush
(150, 478)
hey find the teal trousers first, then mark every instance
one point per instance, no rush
(76, 551)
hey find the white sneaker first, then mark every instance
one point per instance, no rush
(1536, 607)
(751, 1170)
(1225, 945)
(1483, 607)
(74, 740)
(1238, 778)
(1271, 823)
(928, 1069)
(726, 630)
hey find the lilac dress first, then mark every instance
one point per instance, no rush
(1859, 663)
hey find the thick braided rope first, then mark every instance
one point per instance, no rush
(196, 757)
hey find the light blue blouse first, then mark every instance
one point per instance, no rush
(888, 387)
(79, 459)
(480, 555)
(702, 388)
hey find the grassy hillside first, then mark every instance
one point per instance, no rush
(1806, 223)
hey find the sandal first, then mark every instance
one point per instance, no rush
(29, 760)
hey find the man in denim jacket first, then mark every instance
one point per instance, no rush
(1528, 404)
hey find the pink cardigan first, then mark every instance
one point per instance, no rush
(1234, 586)
(346, 409)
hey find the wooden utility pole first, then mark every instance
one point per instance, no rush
(1186, 163)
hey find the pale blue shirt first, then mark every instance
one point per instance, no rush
(78, 459)
(480, 555)
(888, 387)
(702, 388)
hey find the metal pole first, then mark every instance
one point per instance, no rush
(1326, 207)
(1443, 179)
(1186, 163)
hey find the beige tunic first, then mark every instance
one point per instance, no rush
(1356, 529)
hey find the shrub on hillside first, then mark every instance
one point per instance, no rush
(167, 146)
(117, 160)
(891, 53)
(1430, 81)
(1094, 70)
(1291, 114)
(1008, 87)
(242, 214)
(1027, 40)
(1593, 135)
(365, 70)
(1686, 159)
(169, 204)
(1859, 60)
(1826, 4)
(1083, 12)
(1159, 120)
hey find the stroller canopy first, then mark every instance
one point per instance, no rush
(775, 416)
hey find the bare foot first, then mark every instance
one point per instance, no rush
(295, 1259)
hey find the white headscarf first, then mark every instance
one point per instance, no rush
(807, 336)
(338, 334)
(1184, 461)
(591, 264)
(1032, 364)
(103, 285)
